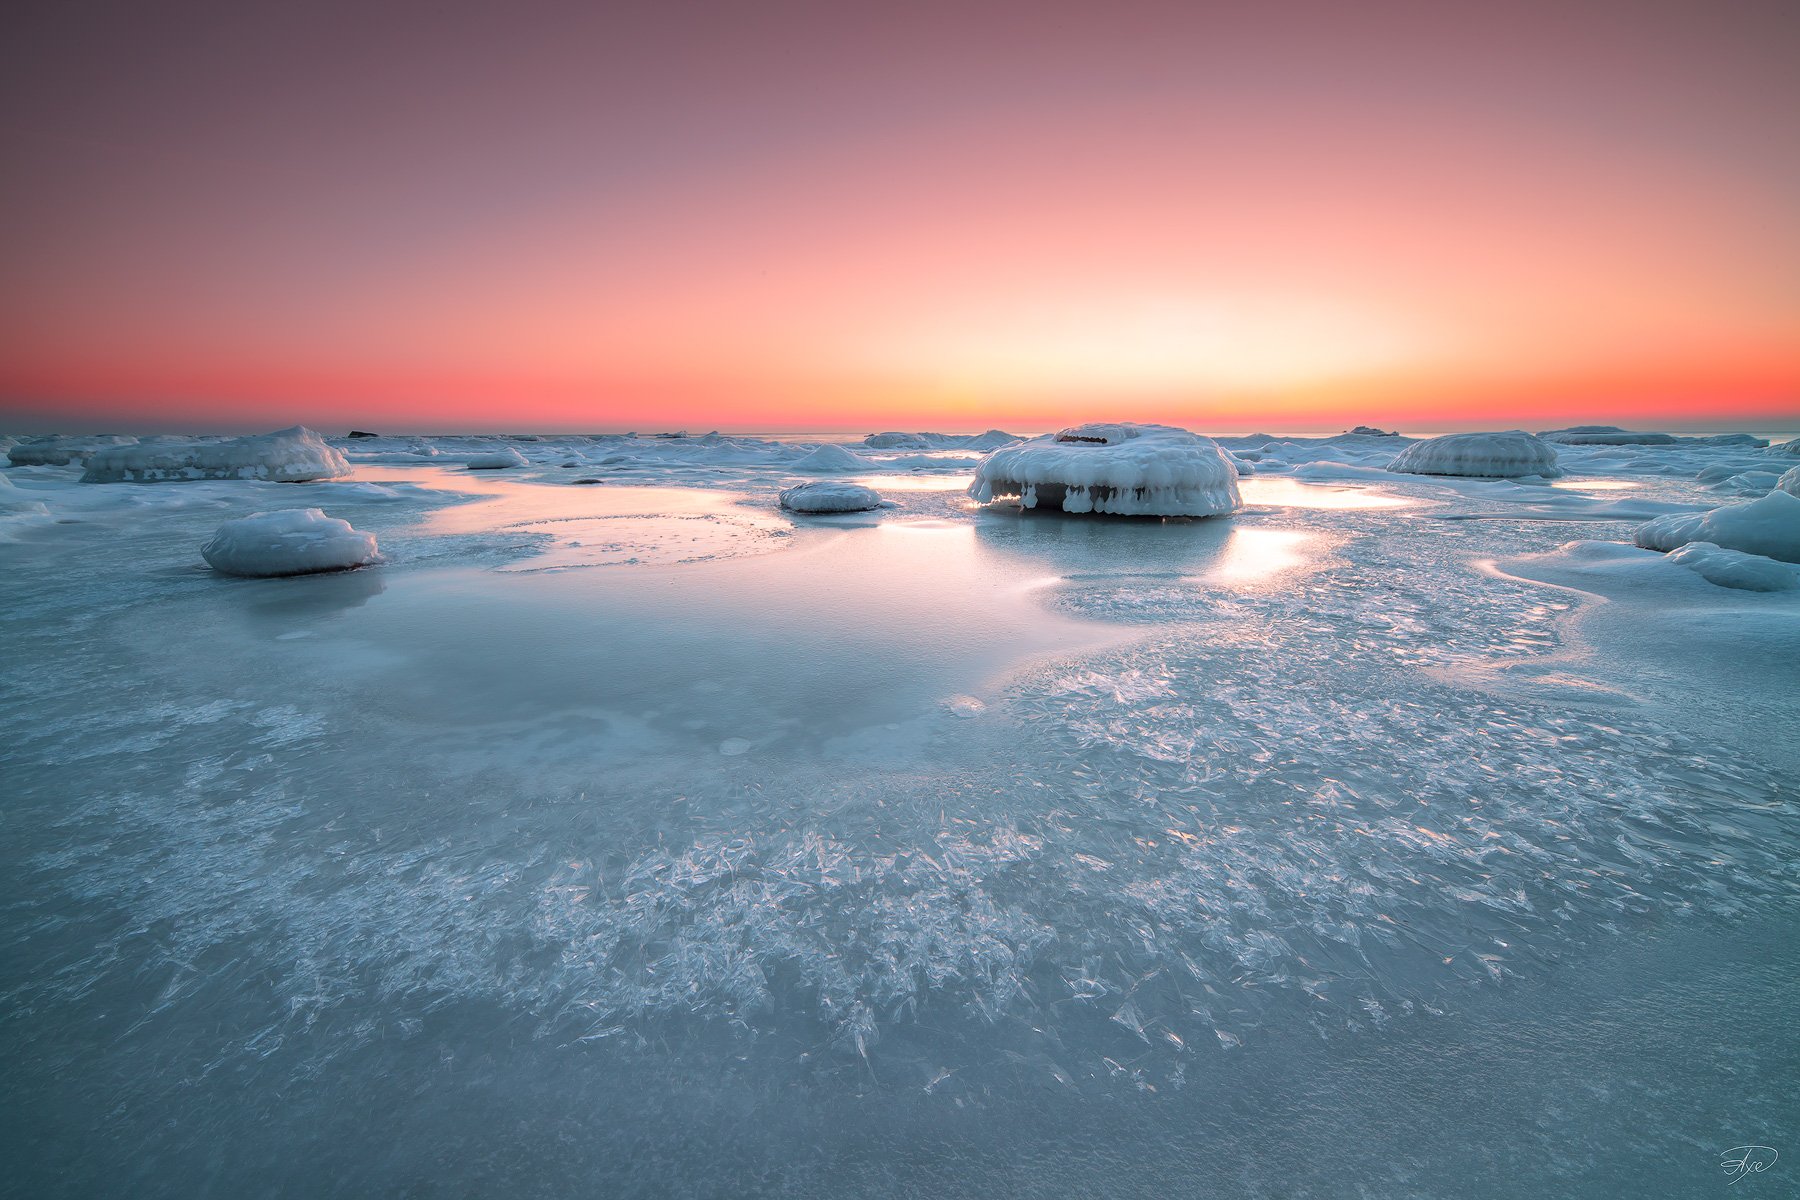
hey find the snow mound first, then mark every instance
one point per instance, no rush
(1769, 526)
(61, 451)
(1735, 569)
(1482, 455)
(497, 460)
(829, 459)
(830, 496)
(296, 541)
(286, 456)
(1790, 481)
(1605, 435)
(1123, 469)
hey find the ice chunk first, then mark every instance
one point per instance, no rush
(286, 456)
(1790, 447)
(496, 460)
(61, 451)
(1735, 569)
(1605, 435)
(295, 541)
(1769, 526)
(1790, 481)
(830, 496)
(829, 460)
(1123, 469)
(1482, 455)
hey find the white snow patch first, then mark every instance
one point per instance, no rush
(1735, 569)
(286, 456)
(1122, 469)
(295, 541)
(1769, 526)
(1482, 455)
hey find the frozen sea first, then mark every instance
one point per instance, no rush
(621, 834)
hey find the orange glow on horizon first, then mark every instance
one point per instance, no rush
(1416, 218)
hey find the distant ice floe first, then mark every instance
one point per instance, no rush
(830, 496)
(1605, 435)
(294, 455)
(1121, 469)
(297, 541)
(1506, 455)
(993, 439)
(829, 460)
(1769, 526)
(61, 451)
(497, 460)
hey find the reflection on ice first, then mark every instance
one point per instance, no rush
(1282, 492)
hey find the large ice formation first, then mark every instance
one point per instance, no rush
(1605, 435)
(1789, 447)
(1790, 481)
(830, 496)
(61, 451)
(1482, 455)
(829, 459)
(1769, 526)
(993, 439)
(286, 456)
(1735, 569)
(295, 541)
(1123, 469)
(496, 460)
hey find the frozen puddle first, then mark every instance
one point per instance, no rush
(617, 525)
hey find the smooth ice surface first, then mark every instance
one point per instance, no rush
(296, 455)
(1483, 455)
(1119, 469)
(297, 541)
(830, 497)
(635, 838)
(1769, 526)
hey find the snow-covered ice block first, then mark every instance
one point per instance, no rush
(1123, 469)
(295, 541)
(497, 460)
(1605, 435)
(827, 460)
(830, 496)
(1481, 455)
(61, 451)
(1769, 526)
(1790, 481)
(286, 456)
(1791, 447)
(1735, 569)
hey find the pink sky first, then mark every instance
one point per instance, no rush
(821, 217)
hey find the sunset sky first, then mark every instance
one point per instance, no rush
(777, 216)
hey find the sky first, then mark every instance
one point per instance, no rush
(839, 216)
